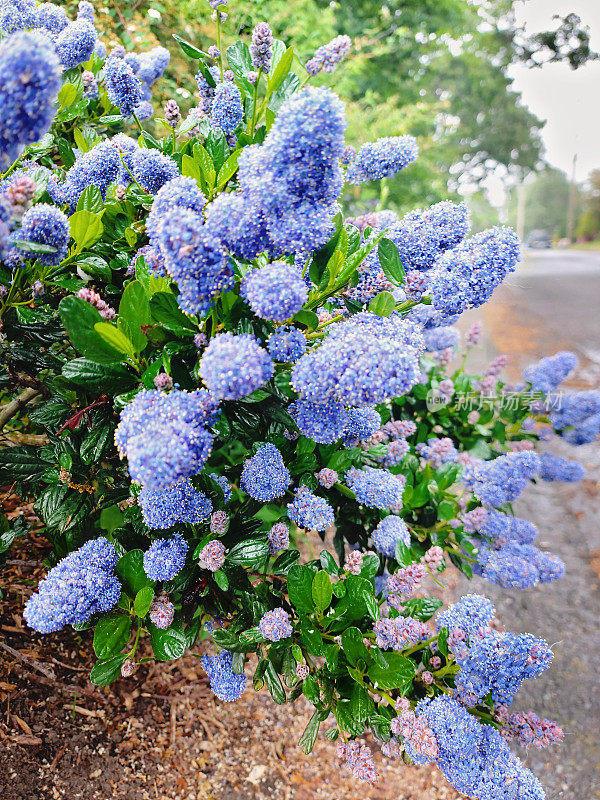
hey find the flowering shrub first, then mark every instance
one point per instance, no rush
(221, 372)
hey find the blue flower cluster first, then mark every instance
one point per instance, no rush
(503, 479)
(165, 558)
(376, 488)
(163, 508)
(287, 344)
(322, 422)
(225, 683)
(474, 758)
(181, 192)
(164, 436)
(399, 633)
(81, 584)
(227, 112)
(361, 423)
(261, 49)
(234, 366)
(76, 43)
(275, 625)
(363, 361)
(442, 338)
(17, 15)
(466, 276)
(123, 87)
(310, 511)
(556, 468)
(30, 77)
(472, 612)
(499, 663)
(290, 184)
(388, 533)
(194, 258)
(328, 56)
(502, 528)
(382, 159)
(152, 169)
(47, 225)
(276, 291)
(519, 566)
(98, 167)
(578, 418)
(265, 476)
(547, 375)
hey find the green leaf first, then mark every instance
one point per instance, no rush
(191, 169)
(90, 200)
(170, 643)
(274, 684)
(382, 304)
(398, 675)
(143, 601)
(107, 670)
(310, 689)
(389, 258)
(442, 641)
(221, 580)
(250, 553)
(308, 318)
(21, 463)
(239, 59)
(371, 603)
(422, 608)
(228, 169)
(193, 52)
(115, 338)
(299, 586)
(361, 704)
(284, 562)
(281, 70)
(446, 510)
(67, 95)
(321, 590)
(94, 377)
(79, 319)
(86, 228)
(165, 310)
(403, 554)
(329, 563)
(134, 310)
(370, 565)
(130, 571)
(354, 647)
(309, 736)
(94, 267)
(95, 443)
(111, 634)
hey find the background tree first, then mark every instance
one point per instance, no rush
(546, 203)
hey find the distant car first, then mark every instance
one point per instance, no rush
(539, 239)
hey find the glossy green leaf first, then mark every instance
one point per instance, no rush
(321, 590)
(111, 634)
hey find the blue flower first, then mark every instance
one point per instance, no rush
(310, 511)
(239, 225)
(503, 479)
(153, 64)
(76, 43)
(328, 56)
(322, 422)
(547, 375)
(234, 366)
(30, 77)
(153, 169)
(388, 533)
(227, 111)
(382, 159)
(51, 17)
(165, 558)
(376, 488)
(123, 87)
(180, 192)
(163, 508)
(287, 344)
(265, 476)
(261, 48)
(225, 683)
(17, 15)
(81, 584)
(195, 259)
(556, 468)
(45, 224)
(473, 611)
(164, 436)
(98, 167)
(275, 292)
(275, 625)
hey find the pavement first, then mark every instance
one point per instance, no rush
(551, 303)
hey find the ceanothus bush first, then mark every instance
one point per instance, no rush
(225, 367)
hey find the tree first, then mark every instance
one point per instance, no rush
(546, 203)
(588, 224)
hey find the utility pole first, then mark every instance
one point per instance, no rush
(572, 203)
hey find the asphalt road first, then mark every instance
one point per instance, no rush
(552, 302)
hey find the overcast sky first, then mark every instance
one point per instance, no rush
(568, 99)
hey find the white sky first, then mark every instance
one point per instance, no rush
(568, 99)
